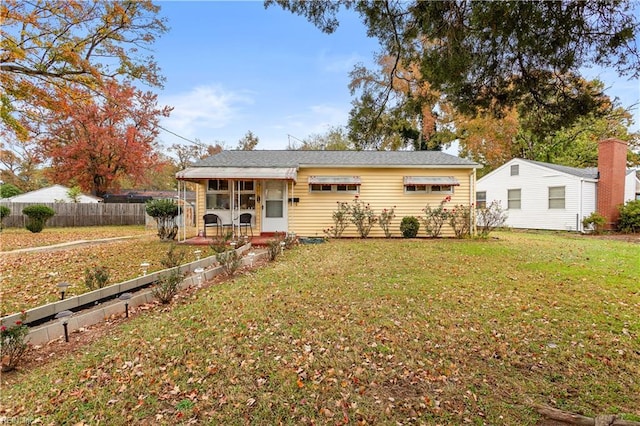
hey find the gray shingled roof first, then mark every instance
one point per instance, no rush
(296, 159)
(586, 173)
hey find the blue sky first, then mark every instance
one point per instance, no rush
(234, 67)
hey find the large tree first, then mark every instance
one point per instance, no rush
(93, 141)
(488, 56)
(397, 109)
(53, 45)
(531, 132)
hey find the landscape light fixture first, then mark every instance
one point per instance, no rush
(63, 317)
(125, 298)
(199, 271)
(145, 267)
(282, 244)
(197, 253)
(251, 255)
(63, 289)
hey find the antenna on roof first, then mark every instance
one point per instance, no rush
(289, 140)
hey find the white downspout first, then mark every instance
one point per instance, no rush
(580, 211)
(472, 196)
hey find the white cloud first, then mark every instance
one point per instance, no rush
(203, 109)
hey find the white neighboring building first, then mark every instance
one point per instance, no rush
(51, 194)
(539, 195)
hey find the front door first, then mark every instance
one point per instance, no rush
(274, 213)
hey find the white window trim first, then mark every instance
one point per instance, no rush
(519, 199)
(563, 198)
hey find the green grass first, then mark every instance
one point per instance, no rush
(375, 331)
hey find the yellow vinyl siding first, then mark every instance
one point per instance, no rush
(201, 194)
(381, 188)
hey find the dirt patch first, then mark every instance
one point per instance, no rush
(629, 238)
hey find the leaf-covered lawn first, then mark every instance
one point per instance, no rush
(370, 332)
(20, 238)
(29, 279)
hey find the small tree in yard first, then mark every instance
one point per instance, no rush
(38, 216)
(165, 213)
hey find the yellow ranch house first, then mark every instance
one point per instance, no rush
(264, 192)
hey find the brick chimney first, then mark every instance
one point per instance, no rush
(612, 166)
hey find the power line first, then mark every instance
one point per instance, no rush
(175, 134)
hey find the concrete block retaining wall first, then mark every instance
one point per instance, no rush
(53, 329)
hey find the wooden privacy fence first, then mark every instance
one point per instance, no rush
(80, 214)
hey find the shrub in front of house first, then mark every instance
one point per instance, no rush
(340, 220)
(489, 218)
(385, 219)
(460, 220)
(629, 221)
(362, 216)
(37, 217)
(409, 226)
(4, 212)
(594, 222)
(435, 217)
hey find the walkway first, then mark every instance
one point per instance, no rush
(70, 244)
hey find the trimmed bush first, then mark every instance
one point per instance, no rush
(595, 222)
(4, 212)
(8, 190)
(38, 216)
(629, 221)
(164, 212)
(409, 226)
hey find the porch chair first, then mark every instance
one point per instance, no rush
(245, 222)
(212, 221)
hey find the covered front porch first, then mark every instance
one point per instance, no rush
(239, 201)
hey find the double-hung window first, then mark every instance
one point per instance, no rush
(481, 199)
(514, 199)
(218, 196)
(556, 197)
